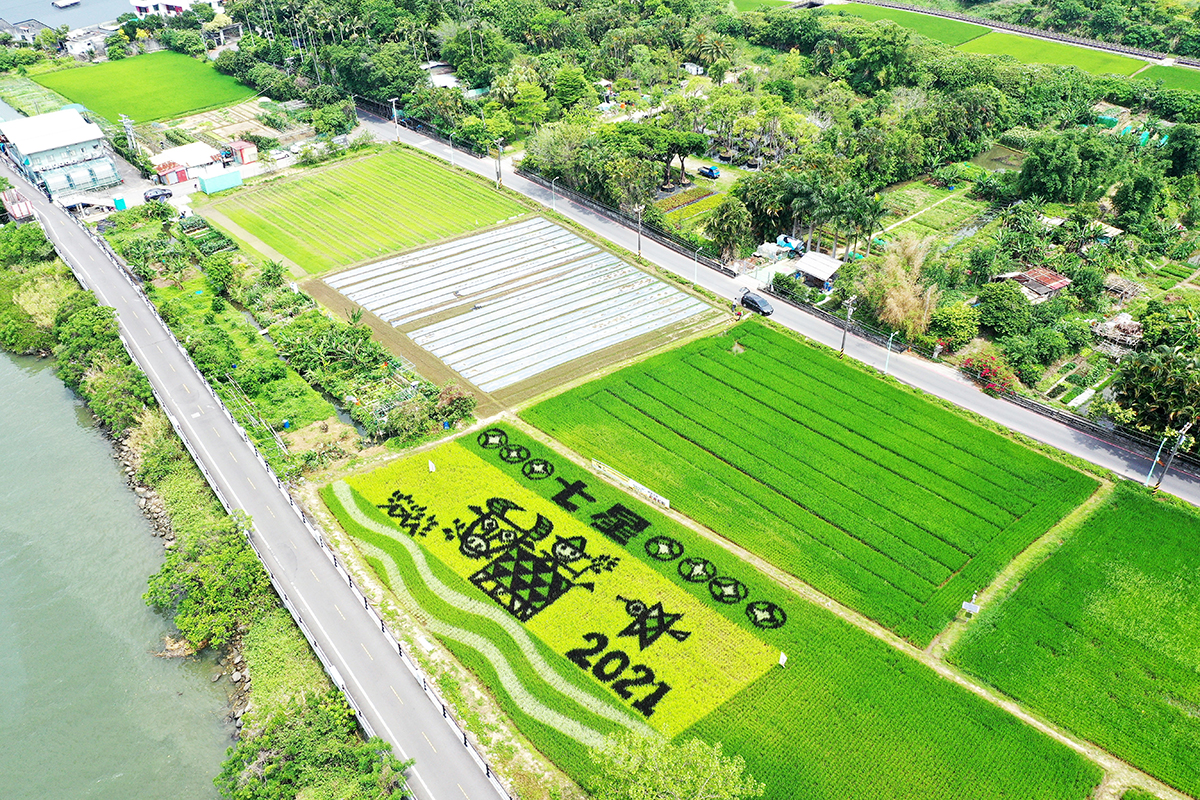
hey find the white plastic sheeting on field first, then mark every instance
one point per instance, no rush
(530, 297)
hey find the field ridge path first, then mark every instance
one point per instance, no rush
(237, 231)
(1117, 772)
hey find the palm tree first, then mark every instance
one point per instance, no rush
(871, 215)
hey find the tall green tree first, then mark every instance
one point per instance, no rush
(729, 226)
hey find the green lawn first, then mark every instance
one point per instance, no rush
(950, 31)
(871, 493)
(355, 210)
(757, 5)
(1041, 51)
(1102, 638)
(154, 86)
(1173, 77)
(849, 717)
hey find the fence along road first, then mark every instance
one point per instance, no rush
(391, 698)
(937, 379)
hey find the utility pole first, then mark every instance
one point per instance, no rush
(499, 178)
(554, 196)
(1171, 457)
(452, 148)
(639, 209)
(846, 325)
(395, 117)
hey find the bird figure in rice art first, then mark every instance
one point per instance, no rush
(651, 622)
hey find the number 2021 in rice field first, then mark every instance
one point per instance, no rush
(612, 665)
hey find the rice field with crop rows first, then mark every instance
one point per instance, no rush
(355, 210)
(587, 611)
(1031, 50)
(1102, 637)
(874, 495)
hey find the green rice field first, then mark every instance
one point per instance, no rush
(148, 87)
(355, 210)
(1102, 637)
(1173, 77)
(848, 717)
(1042, 51)
(951, 31)
(874, 495)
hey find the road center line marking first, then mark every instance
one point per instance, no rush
(231, 455)
(189, 391)
(172, 366)
(314, 575)
(459, 785)
(293, 544)
(272, 512)
(398, 697)
(431, 747)
(335, 605)
(159, 348)
(368, 652)
(252, 486)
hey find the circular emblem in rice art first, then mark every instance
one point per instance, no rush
(727, 590)
(492, 438)
(536, 469)
(513, 453)
(697, 570)
(765, 614)
(663, 548)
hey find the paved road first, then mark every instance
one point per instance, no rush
(389, 697)
(936, 379)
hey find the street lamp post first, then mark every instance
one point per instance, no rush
(695, 267)
(452, 148)
(1171, 457)
(846, 325)
(1150, 474)
(499, 179)
(554, 196)
(888, 359)
(395, 117)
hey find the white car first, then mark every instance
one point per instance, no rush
(280, 155)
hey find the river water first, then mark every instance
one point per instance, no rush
(88, 12)
(86, 709)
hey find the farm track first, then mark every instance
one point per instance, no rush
(1119, 775)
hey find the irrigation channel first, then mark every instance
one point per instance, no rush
(87, 710)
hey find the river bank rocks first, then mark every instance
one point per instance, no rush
(234, 666)
(152, 506)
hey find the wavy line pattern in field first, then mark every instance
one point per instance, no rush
(874, 495)
(483, 645)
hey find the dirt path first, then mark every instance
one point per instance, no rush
(916, 214)
(1011, 576)
(255, 243)
(1119, 775)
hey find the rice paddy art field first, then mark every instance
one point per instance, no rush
(951, 31)
(587, 612)
(1103, 637)
(1029, 50)
(868, 492)
(147, 87)
(359, 209)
